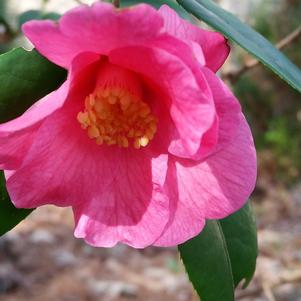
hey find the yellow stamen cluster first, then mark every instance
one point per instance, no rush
(116, 117)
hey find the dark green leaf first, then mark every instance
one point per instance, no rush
(222, 255)
(37, 15)
(240, 234)
(51, 16)
(29, 15)
(9, 215)
(207, 263)
(25, 77)
(246, 37)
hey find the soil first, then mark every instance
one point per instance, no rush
(41, 260)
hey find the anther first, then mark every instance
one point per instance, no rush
(114, 113)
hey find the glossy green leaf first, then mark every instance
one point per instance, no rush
(222, 255)
(9, 215)
(246, 37)
(240, 234)
(25, 77)
(29, 15)
(207, 263)
(51, 16)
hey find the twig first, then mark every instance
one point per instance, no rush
(234, 75)
(267, 290)
(289, 39)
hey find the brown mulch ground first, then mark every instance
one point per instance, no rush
(40, 260)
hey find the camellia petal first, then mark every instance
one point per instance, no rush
(99, 28)
(14, 148)
(41, 183)
(227, 107)
(211, 189)
(135, 177)
(16, 135)
(213, 44)
(225, 179)
(135, 215)
(191, 118)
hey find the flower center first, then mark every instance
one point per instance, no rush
(114, 113)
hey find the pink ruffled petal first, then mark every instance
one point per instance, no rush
(228, 112)
(29, 185)
(58, 164)
(14, 148)
(227, 107)
(116, 193)
(185, 221)
(99, 28)
(213, 45)
(37, 112)
(211, 189)
(181, 50)
(190, 53)
(132, 209)
(189, 99)
(17, 135)
(51, 102)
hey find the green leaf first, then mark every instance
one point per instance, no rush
(9, 215)
(157, 4)
(37, 15)
(208, 265)
(246, 37)
(29, 15)
(51, 16)
(222, 255)
(240, 234)
(25, 77)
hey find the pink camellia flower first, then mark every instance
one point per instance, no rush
(143, 140)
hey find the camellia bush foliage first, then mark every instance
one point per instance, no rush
(119, 114)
